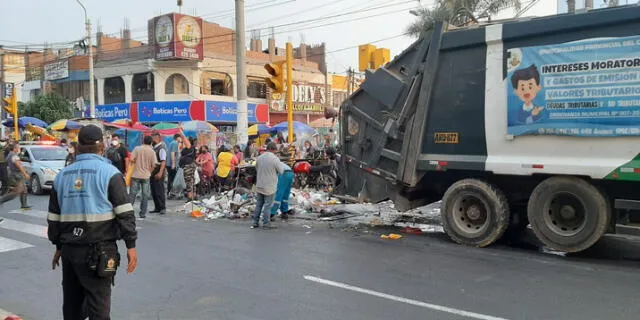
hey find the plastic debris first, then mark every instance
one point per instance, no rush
(392, 236)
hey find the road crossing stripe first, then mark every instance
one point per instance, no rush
(31, 213)
(10, 245)
(29, 228)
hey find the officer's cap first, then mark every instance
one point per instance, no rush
(89, 135)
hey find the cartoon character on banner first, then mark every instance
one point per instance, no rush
(526, 85)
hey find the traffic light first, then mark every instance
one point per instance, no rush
(12, 104)
(276, 70)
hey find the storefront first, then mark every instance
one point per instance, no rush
(149, 112)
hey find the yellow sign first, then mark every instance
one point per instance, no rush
(307, 107)
(447, 137)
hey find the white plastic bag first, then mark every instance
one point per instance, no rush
(178, 182)
(196, 177)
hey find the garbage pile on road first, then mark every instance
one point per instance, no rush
(240, 203)
(312, 204)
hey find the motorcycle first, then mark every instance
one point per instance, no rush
(321, 177)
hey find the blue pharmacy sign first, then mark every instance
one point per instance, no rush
(113, 112)
(164, 111)
(583, 88)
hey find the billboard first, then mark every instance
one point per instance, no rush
(56, 70)
(583, 88)
(177, 36)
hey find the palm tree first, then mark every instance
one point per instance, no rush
(458, 13)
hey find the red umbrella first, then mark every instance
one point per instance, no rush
(128, 125)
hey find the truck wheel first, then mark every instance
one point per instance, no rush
(568, 214)
(474, 213)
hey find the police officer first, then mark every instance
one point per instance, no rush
(89, 210)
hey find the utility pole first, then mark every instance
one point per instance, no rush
(92, 89)
(241, 80)
(290, 92)
(2, 128)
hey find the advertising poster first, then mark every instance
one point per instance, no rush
(189, 42)
(583, 88)
(178, 36)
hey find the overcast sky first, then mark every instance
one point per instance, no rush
(36, 21)
(361, 21)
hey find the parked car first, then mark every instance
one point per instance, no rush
(43, 162)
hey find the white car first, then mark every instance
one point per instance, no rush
(43, 162)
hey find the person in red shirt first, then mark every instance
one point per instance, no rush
(205, 161)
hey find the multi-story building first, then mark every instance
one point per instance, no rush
(65, 72)
(187, 71)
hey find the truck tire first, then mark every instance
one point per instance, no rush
(474, 213)
(568, 214)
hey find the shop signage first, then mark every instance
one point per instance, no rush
(180, 111)
(307, 107)
(307, 98)
(221, 111)
(113, 112)
(164, 111)
(56, 70)
(178, 36)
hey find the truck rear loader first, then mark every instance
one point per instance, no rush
(535, 121)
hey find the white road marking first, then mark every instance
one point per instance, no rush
(31, 213)
(10, 245)
(436, 307)
(30, 228)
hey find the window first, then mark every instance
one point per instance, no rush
(143, 88)
(176, 84)
(216, 83)
(257, 88)
(113, 90)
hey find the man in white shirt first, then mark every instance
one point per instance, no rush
(268, 168)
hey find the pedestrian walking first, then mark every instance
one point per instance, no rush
(117, 154)
(268, 168)
(17, 177)
(145, 161)
(88, 211)
(158, 175)
(172, 160)
(281, 202)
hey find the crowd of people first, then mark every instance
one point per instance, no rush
(184, 164)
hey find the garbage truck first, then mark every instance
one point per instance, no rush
(523, 122)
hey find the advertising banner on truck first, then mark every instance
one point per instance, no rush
(584, 88)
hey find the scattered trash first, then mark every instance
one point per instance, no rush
(307, 226)
(392, 236)
(410, 230)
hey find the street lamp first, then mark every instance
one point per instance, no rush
(92, 94)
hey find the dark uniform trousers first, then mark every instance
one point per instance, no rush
(85, 294)
(158, 192)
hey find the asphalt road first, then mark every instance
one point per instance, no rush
(311, 270)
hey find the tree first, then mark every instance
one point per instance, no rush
(48, 108)
(458, 13)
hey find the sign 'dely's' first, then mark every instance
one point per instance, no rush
(177, 36)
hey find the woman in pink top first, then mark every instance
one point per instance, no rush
(205, 161)
(238, 152)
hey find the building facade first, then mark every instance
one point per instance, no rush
(190, 63)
